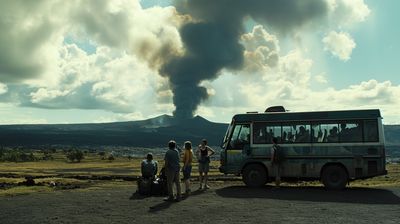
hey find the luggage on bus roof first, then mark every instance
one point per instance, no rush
(275, 109)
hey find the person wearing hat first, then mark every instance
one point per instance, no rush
(149, 167)
(172, 166)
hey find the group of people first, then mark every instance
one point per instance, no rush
(172, 168)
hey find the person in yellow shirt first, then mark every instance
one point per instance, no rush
(187, 166)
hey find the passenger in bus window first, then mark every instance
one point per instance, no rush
(344, 133)
(320, 136)
(356, 133)
(270, 135)
(303, 135)
(284, 137)
(290, 137)
(325, 136)
(333, 135)
(258, 135)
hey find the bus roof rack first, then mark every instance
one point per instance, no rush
(252, 112)
(275, 109)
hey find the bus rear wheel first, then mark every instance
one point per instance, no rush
(334, 177)
(254, 175)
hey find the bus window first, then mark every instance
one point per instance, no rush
(316, 133)
(371, 131)
(274, 131)
(227, 134)
(240, 136)
(350, 131)
(288, 133)
(264, 132)
(259, 134)
(302, 133)
(325, 132)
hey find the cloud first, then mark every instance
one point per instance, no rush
(44, 67)
(3, 88)
(262, 49)
(151, 34)
(321, 78)
(345, 13)
(340, 44)
(44, 62)
(28, 33)
(86, 82)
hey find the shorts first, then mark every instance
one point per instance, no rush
(204, 167)
(187, 170)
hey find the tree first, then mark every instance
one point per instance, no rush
(73, 155)
(78, 155)
(103, 155)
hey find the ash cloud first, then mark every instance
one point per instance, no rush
(212, 40)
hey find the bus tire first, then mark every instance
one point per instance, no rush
(254, 175)
(334, 177)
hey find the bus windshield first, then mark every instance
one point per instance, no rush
(227, 134)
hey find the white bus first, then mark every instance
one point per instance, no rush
(332, 146)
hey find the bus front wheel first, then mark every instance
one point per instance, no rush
(334, 177)
(254, 175)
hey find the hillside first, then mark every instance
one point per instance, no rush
(392, 134)
(154, 132)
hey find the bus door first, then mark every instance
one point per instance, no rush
(238, 148)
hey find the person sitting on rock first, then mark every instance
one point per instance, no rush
(149, 167)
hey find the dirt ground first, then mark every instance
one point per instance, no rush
(229, 202)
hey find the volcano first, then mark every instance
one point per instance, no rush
(154, 132)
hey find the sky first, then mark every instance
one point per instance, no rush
(103, 61)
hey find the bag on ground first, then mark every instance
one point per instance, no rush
(144, 186)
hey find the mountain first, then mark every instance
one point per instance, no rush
(392, 134)
(154, 132)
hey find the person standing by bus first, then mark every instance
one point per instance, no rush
(276, 159)
(204, 152)
(172, 166)
(187, 166)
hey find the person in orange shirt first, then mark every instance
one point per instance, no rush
(187, 166)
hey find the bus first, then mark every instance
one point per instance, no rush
(334, 147)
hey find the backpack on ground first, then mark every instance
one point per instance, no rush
(159, 187)
(144, 186)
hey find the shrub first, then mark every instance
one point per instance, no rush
(111, 157)
(15, 155)
(47, 156)
(103, 155)
(75, 155)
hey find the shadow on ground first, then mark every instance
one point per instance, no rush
(314, 194)
(167, 204)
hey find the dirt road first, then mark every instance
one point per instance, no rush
(224, 203)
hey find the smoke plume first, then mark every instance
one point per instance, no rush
(211, 40)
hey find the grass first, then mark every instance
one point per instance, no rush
(91, 165)
(391, 179)
(61, 171)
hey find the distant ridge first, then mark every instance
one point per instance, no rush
(153, 132)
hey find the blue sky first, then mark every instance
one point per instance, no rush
(99, 62)
(377, 53)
